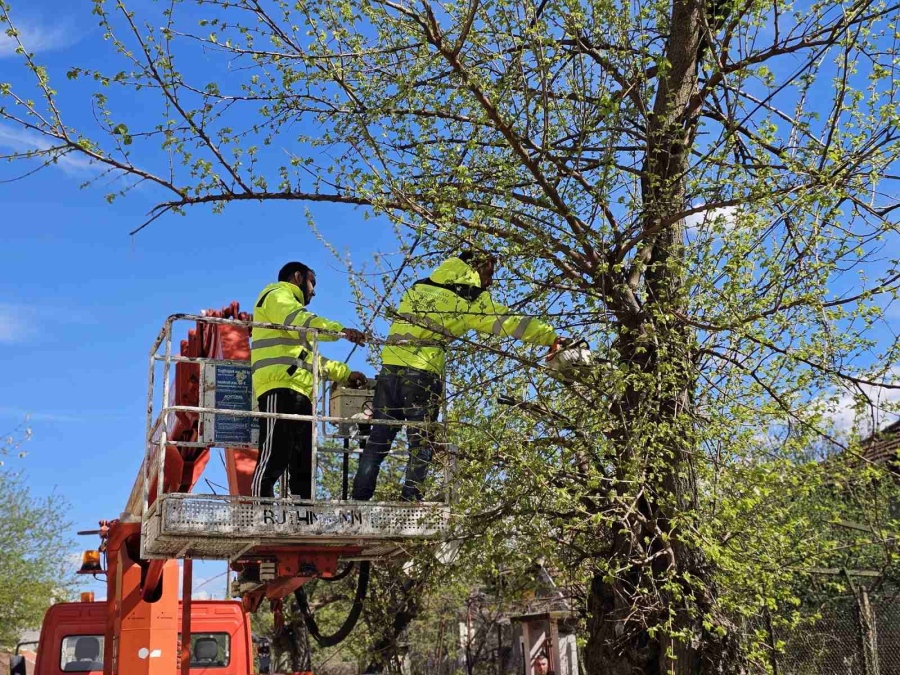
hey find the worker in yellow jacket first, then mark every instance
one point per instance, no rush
(281, 363)
(450, 302)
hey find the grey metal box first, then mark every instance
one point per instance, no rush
(346, 402)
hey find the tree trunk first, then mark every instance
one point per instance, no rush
(665, 580)
(385, 655)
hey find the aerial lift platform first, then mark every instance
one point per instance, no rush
(202, 399)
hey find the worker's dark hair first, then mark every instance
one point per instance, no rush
(291, 268)
(471, 256)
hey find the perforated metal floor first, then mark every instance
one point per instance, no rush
(225, 527)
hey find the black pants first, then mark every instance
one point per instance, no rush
(400, 394)
(284, 445)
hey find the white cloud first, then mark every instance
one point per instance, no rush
(879, 406)
(725, 217)
(37, 38)
(20, 141)
(17, 323)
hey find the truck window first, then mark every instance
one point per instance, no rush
(81, 653)
(209, 650)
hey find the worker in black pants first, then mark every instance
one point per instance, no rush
(448, 303)
(402, 394)
(284, 445)
(281, 362)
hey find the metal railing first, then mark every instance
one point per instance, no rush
(158, 426)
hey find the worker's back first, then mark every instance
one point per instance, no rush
(450, 302)
(433, 310)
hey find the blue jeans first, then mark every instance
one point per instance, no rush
(404, 394)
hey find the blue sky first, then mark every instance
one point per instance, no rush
(81, 301)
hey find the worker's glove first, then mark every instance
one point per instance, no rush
(558, 344)
(357, 337)
(357, 380)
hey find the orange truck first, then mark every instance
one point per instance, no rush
(132, 633)
(73, 640)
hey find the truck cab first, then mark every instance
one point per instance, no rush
(72, 639)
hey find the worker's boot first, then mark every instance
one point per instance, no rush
(365, 479)
(411, 493)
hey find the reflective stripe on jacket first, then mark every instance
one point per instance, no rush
(282, 359)
(446, 305)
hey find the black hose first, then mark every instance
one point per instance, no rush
(340, 575)
(362, 585)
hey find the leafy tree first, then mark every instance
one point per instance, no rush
(33, 569)
(703, 189)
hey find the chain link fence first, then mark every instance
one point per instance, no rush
(888, 618)
(855, 634)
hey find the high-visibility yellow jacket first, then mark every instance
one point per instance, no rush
(282, 359)
(446, 305)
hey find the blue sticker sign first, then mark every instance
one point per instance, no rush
(234, 391)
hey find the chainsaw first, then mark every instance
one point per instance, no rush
(568, 358)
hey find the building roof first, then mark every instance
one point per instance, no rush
(884, 445)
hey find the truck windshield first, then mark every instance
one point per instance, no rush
(84, 653)
(81, 654)
(209, 650)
